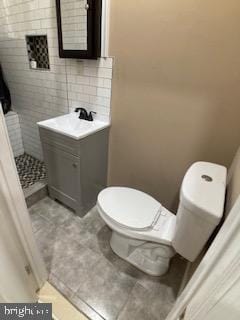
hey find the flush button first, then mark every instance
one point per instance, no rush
(207, 178)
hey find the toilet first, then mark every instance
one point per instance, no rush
(147, 235)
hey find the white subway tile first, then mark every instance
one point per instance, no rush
(102, 92)
(39, 95)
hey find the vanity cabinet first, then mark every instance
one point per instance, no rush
(76, 169)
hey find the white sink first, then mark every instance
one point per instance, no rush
(70, 125)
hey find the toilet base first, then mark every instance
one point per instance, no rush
(151, 258)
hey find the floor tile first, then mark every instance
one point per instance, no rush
(86, 309)
(91, 232)
(152, 297)
(62, 308)
(38, 221)
(71, 261)
(47, 237)
(99, 242)
(105, 289)
(74, 226)
(145, 304)
(52, 210)
(92, 221)
(84, 268)
(59, 285)
(172, 279)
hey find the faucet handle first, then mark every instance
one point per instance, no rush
(90, 117)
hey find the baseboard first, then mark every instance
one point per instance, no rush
(186, 277)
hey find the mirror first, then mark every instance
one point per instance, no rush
(74, 24)
(79, 28)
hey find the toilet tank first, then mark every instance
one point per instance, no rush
(200, 208)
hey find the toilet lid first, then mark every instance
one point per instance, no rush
(129, 207)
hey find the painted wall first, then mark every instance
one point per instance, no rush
(37, 94)
(176, 96)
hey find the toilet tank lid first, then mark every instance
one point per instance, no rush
(203, 190)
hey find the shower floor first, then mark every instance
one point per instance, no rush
(30, 170)
(32, 175)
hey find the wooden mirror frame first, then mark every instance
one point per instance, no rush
(94, 15)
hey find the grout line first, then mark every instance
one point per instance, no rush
(66, 76)
(62, 308)
(123, 307)
(90, 307)
(75, 294)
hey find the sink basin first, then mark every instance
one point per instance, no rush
(70, 125)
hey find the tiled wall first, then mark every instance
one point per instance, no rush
(14, 132)
(38, 95)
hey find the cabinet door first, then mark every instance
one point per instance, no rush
(63, 176)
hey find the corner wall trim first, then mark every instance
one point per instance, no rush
(105, 28)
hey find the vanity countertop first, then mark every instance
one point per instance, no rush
(70, 125)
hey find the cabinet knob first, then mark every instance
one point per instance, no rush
(74, 165)
(86, 6)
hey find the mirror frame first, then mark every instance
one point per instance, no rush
(94, 18)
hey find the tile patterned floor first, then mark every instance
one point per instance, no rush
(83, 267)
(30, 170)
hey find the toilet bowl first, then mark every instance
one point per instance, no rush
(142, 228)
(147, 235)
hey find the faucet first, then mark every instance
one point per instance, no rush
(84, 114)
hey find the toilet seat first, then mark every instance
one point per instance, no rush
(129, 208)
(137, 215)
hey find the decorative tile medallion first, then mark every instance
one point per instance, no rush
(37, 48)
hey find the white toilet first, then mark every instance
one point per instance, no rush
(147, 235)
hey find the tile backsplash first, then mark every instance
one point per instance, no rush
(38, 95)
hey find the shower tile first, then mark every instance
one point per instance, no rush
(35, 193)
(30, 170)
